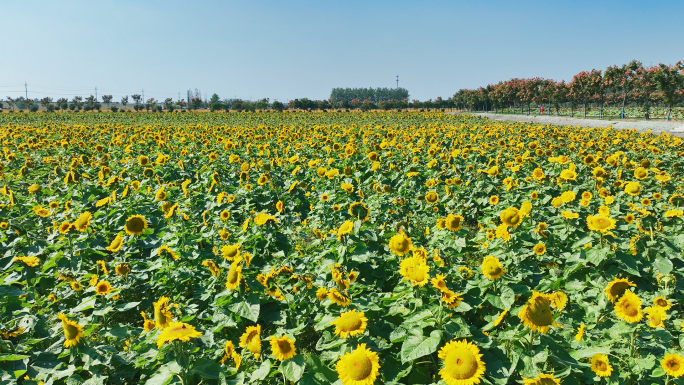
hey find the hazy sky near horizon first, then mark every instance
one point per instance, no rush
(293, 49)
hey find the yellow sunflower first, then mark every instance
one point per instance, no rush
(580, 333)
(600, 223)
(177, 331)
(359, 211)
(415, 270)
(439, 283)
(400, 244)
(251, 340)
(537, 314)
(135, 225)
(453, 222)
(65, 227)
(662, 303)
(346, 228)
(539, 249)
(655, 316)
(558, 300)
(338, 298)
(360, 367)
(162, 315)
(321, 293)
(628, 307)
(431, 197)
(230, 252)
(350, 324)
(492, 268)
(72, 331)
(633, 188)
(283, 348)
(600, 365)
(543, 379)
(462, 363)
(116, 244)
(673, 364)
(83, 221)
(616, 287)
(148, 324)
(511, 217)
(225, 215)
(234, 276)
(103, 288)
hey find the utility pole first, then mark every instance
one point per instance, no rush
(179, 96)
(95, 93)
(397, 81)
(26, 89)
(143, 95)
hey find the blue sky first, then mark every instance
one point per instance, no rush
(293, 49)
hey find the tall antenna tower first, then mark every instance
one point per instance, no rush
(397, 81)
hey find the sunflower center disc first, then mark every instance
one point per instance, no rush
(359, 366)
(350, 322)
(70, 332)
(460, 364)
(539, 312)
(284, 347)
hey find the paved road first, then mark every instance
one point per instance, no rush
(675, 128)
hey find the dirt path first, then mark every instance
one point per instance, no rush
(656, 127)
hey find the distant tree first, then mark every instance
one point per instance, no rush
(136, 98)
(107, 99)
(28, 103)
(124, 101)
(262, 104)
(77, 102)
(181, 103)
(63, 103)
(12, 103)
(277, 106)
(45, 102)
(669, 80)
(214, 99)
(114, 108)
(168, 104)
(196, 103)
(151, 104)
(645, 88)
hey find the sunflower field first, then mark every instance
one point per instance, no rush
(337, 248)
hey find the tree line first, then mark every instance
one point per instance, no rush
(616, 86)
(375, 95)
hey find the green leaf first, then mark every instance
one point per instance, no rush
(581, 242)
(207, 368)
(416, 345)
(10, 291)
(126, 306)
(87, 303)
(663, 265)
(12, 357)
(163, 375)
(103, 311)
(262, 372)
(627, 263)
(293, 368)
(658, 372)
(248, 309)
(647, 362)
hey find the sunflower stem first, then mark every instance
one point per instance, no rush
(529, 347)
